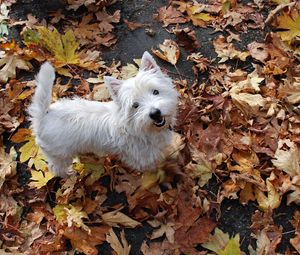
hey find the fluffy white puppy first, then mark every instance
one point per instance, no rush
(134, 126)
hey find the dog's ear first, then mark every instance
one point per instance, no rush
(113, 86)
(148, 62)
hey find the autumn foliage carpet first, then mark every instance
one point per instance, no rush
(231, 182)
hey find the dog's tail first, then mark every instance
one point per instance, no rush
(43, 94)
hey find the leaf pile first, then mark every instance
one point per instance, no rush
(237, 136)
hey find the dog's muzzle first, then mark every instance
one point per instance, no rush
(158, 119)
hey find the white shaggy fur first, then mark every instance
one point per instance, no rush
(75, 126)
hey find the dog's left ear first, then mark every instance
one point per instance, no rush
(148, 63)
(113, 86)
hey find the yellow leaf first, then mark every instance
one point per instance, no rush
(221, 244)
(198, 18)
(291, 23)
(203, 16)
(60, 213)
(28, 150)
(40, 179)
(281, 1)
(71, 215)
(232, 247)
(63, 47)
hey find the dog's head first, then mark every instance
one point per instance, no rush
(148, 100)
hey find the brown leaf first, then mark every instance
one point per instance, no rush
(168, 51)
(132, 25)
(85, 242)
(187, 39)
(170, 16)
(196, 234)
(120, 247)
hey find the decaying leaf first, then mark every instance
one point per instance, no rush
(168, 51)
(116, 218)
(120, 247)
(86, 241)
(7, 164)
(287, 157)
(271, 199)
(169, 15)
(227, 51)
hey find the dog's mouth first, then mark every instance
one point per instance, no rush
(160, 123)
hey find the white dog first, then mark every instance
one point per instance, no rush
(134, 126)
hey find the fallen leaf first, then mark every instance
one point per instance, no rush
(121, 248)
(62, 47)
(227, 51)
(8, 164)
(169, 15)
(86, 242)
(10, 62)
(164, 229)
(116, 218)
(222, 244)
(270, 200)
(287, 157)
(168, 51)
(290, 22)
(40, 179)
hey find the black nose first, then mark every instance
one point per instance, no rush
(155, 114)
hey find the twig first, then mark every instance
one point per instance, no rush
(277, 9)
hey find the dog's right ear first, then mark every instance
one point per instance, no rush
(113, 86)
(148, 63)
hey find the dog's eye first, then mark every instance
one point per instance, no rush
(155, 92)
(135, 105)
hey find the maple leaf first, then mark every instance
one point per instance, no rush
(92, 171)
(272, 199)
(227, 51)
(30, 150)
(202, 169)
(71, 215)
(66, 190)
(167, 229)
(115, 218)
(8, 164)
(290, 91)
(198, 17)
(84, 241)
(169, 51)
(221, 244)
(10, 61)
(106, 20)
(170, 16)
(63, 47)
(121, 248)
(40, 179)
(291, 23)
(294, 196)
(128, 71)
(287, 157)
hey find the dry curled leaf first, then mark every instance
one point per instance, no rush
(168, 51)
